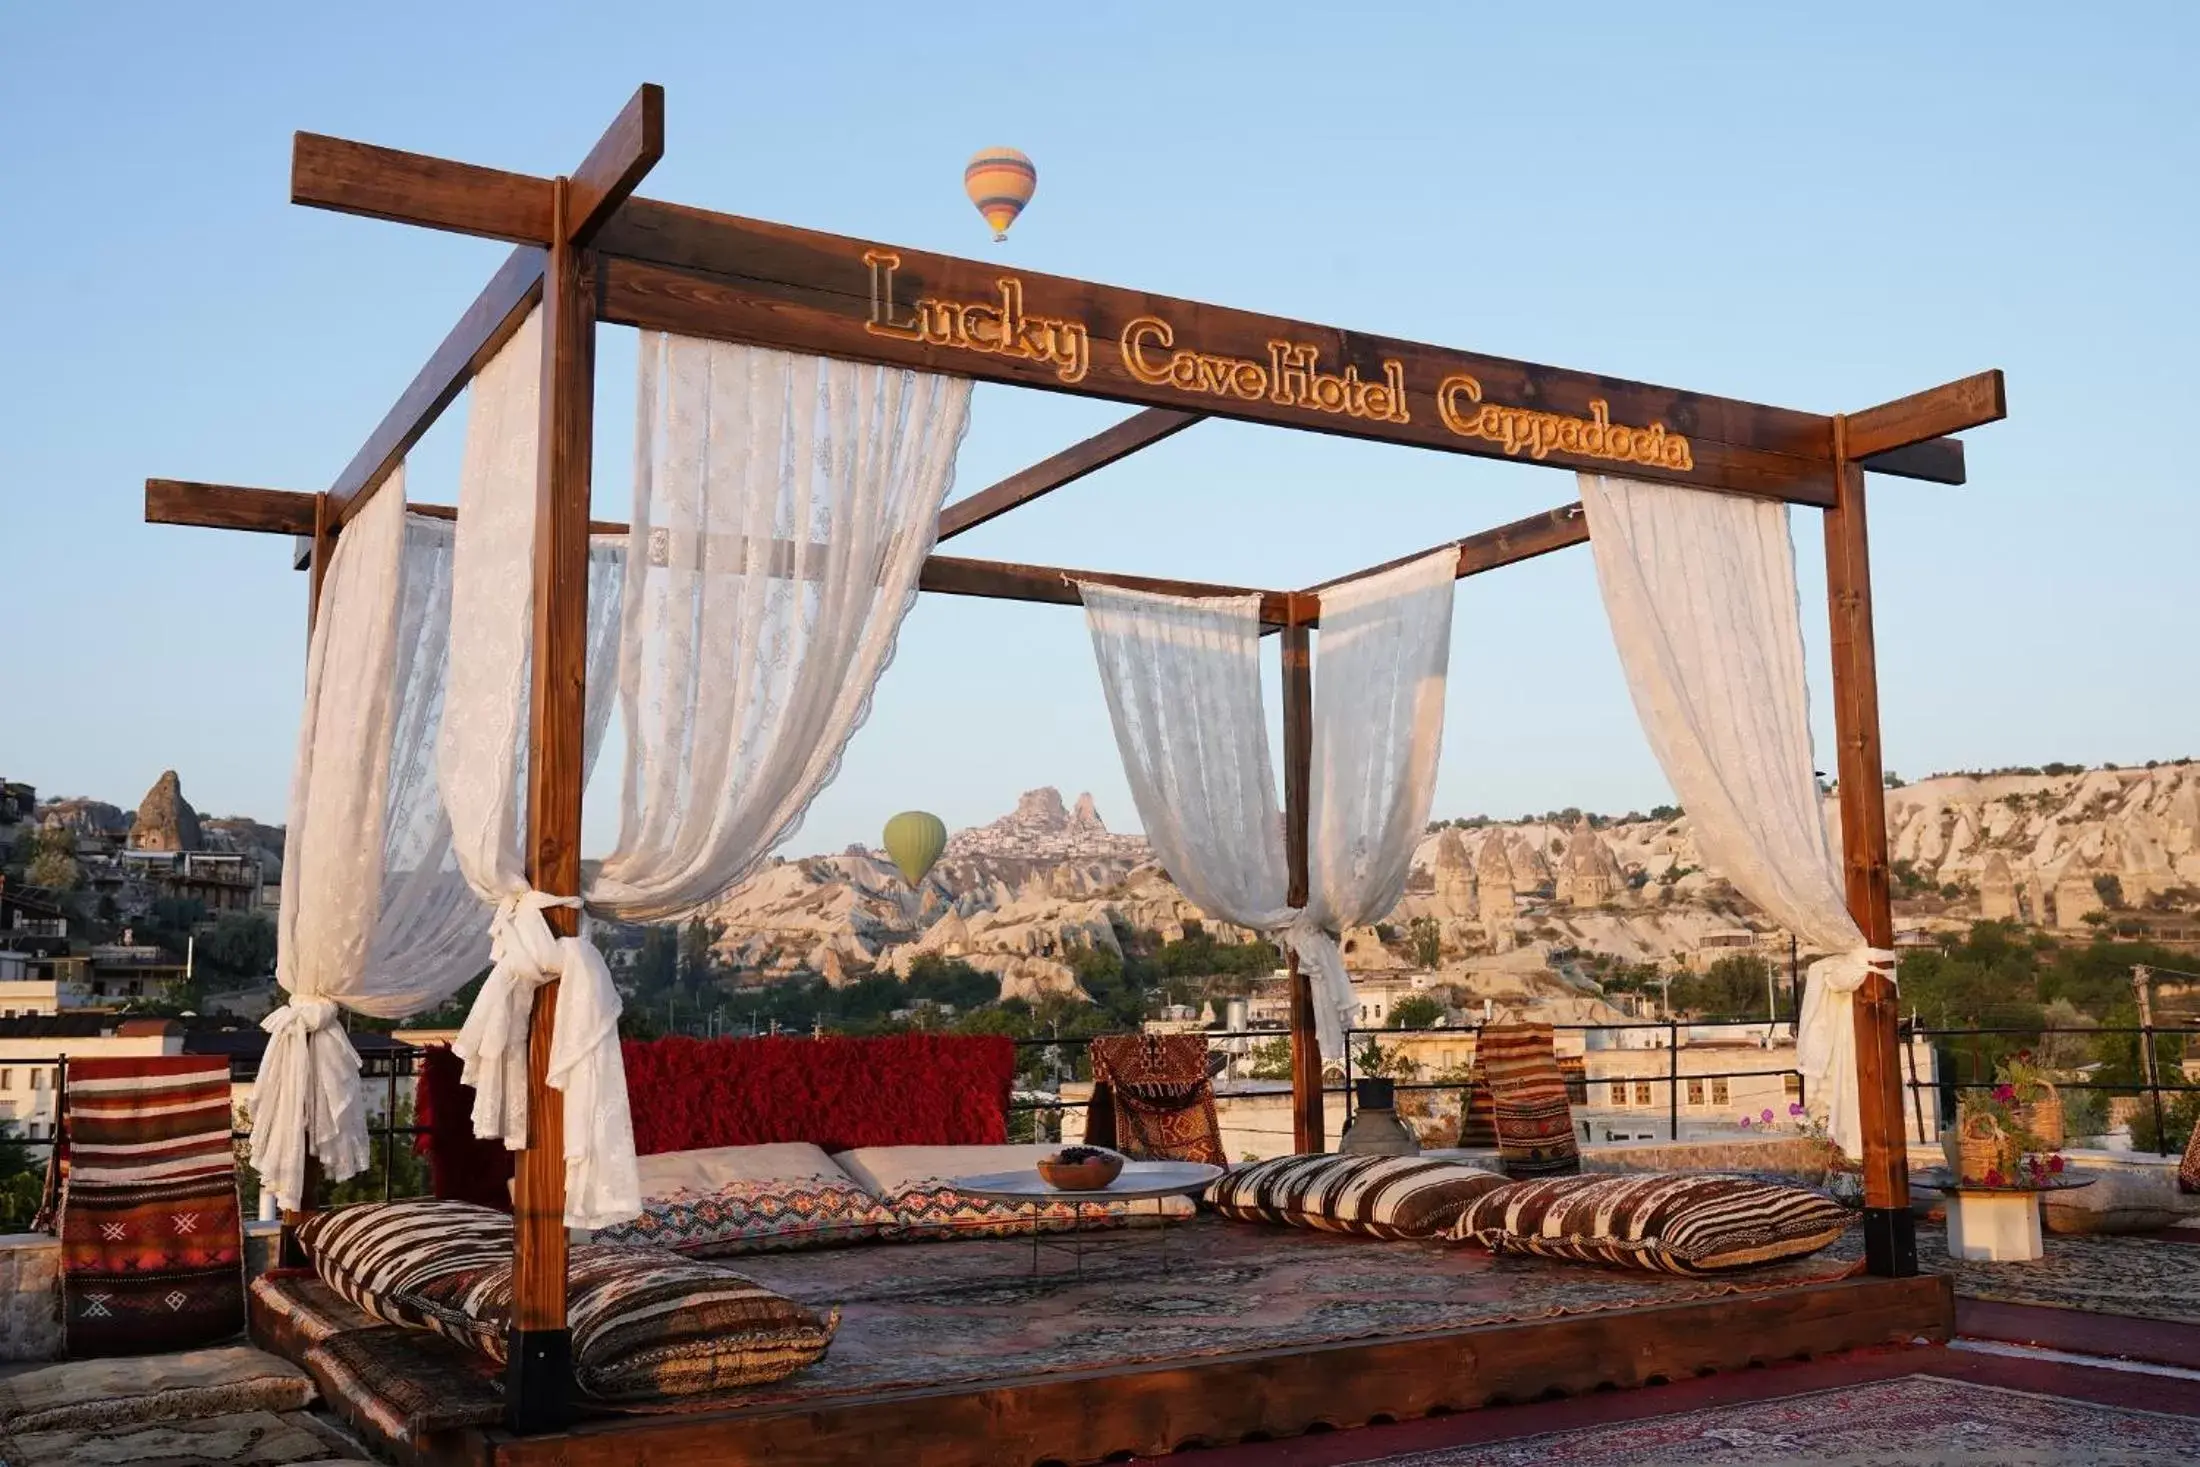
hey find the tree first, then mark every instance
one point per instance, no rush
(1733, 987)
(240, 945)
(2111, 888)
(697, 939)
(54, 869)
(1427, 936)
(1416, 1011)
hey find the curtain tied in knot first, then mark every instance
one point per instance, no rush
(1825, 1043)
(1321, 956)
(306, 1100)
(601, 1183)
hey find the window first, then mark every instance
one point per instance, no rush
(1619, 1092)
(1642, 1092)
(1790, 1086)
(38, 1079)
(1695, 1092)
(1719, 1094)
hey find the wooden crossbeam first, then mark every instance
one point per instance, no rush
(1924, 416)
(287, 512)
(629, 148)
(716, 275)
(489, 322)
(1141, 430)
(1540, 534)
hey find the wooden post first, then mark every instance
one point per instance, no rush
(539, 1379)
(1298, 763)
(1890, 1241)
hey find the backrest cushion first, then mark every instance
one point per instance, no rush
(1535, 1122)
(731, 1200)
(1376, 1196)
(1665, 1222)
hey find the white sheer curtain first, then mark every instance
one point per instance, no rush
(783, 508)
(1182, 681)
(1700, 589)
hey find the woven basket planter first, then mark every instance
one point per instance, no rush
(1984, 1148)
(2044, 1118)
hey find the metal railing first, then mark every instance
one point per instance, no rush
(1672, 1080)
(1949, 1088)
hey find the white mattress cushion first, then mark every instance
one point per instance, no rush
(884, 1169)
(713, 1169)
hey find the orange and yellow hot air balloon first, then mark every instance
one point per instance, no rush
(1000, 181)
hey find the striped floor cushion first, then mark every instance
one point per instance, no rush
(647, 1326)
(1377, 1196)
(1665, 1222)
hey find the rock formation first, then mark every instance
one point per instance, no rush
(2075, 894)
(1590, 875)
(1494, 876)
(1454, 876)
(165, 820)
(1997, 890)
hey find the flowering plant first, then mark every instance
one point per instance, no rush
(2001, 1113)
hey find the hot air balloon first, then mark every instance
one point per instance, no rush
(914, 839)
(1000, 181)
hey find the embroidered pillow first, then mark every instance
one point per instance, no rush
(1377, 1196)
(748, 1199)
(1667, 1223)
(1534, 1120)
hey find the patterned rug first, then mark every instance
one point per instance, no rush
(928, 1314)
(152, 1249)
(1913, 1421)
(2145, 1278)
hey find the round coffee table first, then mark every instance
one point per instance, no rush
(1139, 1181)
(1995, 1223)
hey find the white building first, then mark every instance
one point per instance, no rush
(32, 1049)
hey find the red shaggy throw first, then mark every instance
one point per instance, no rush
(461, 1167)
(837, 1093)
(152, 1247)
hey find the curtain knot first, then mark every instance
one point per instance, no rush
(301, 1016)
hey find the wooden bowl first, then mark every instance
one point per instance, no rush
(1081, 1176)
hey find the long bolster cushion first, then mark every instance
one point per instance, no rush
(1686, 1222)
(647, 1326)
(727, 1200)
(1376, 1196)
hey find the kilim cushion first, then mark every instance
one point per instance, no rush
(1664, 1222)
(1478, 1111)
(1380, 1196)
(748, 1199)
(1152, 1098)
(1535, 1123)
(152, 1248)
(647, 1325)
(2188, 1170)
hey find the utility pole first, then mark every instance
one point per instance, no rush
(2141, 985)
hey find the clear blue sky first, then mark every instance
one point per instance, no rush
(1822, 209)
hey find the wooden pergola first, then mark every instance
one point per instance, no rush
(589, 251)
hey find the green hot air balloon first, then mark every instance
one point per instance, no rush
(914, 839)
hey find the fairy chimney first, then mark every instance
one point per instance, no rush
(1589, 876)
(1454, 875)
(1997, 890)
(2075, 894)
(166, 821)
(1493, 875)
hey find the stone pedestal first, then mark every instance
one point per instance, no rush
(1994, 1227)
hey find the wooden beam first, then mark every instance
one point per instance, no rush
(1937, 461)
(539, 1380)
(413, 188)
(954, 576)
(626, 152)
(1540, 534)
(1307, 1122)
(228, 507)
(488, 323)
(1141, 430)
(1925, 416)
(1889, 1231)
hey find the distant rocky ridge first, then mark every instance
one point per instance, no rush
(1017, 895)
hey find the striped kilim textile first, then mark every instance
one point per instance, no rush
(1535, 1123)
(1478, 1111)
(1378, 1196)
(1671, 1222)
(152, 1246)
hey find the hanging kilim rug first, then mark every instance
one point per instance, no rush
(152, 1248)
